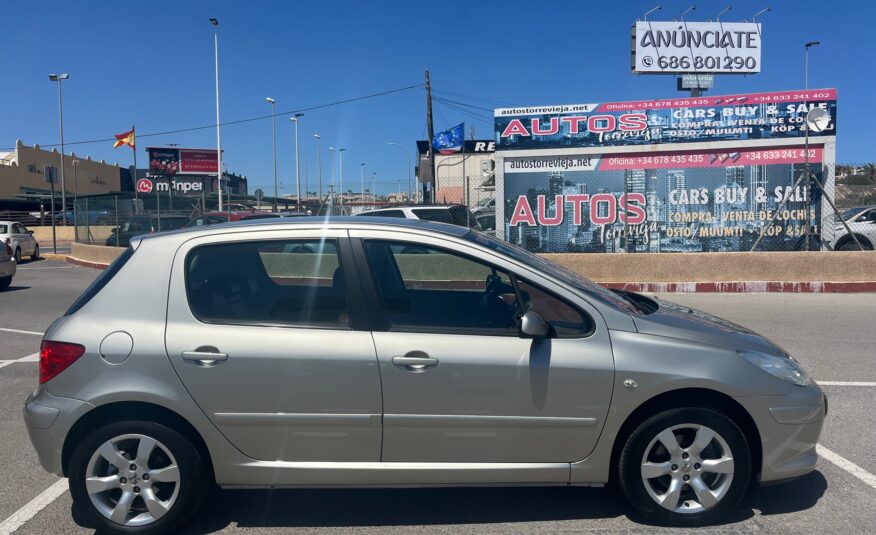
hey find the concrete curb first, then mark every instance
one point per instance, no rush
(53, 256)
(690, 287)
(744, 287)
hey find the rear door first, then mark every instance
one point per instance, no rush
(266, 335)
(459, 384)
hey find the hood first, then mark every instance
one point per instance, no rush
(678, 321)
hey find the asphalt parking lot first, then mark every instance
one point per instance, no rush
(833, 335)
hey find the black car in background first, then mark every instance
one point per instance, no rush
(143, 224)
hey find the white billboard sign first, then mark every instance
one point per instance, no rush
(696, 47)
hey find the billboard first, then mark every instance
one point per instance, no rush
(700, 47)
(164, 161)
(694, 201)
(755, 116)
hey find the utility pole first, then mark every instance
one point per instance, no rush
(431, 130)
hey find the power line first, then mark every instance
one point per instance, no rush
(464, 104)
(480, 99)
(468, 113)
(239, 121)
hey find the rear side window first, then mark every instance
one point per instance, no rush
(289, 282)
(455, 215)
(4, 229)
(101, 281)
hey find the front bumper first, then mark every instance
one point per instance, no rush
(49, 419)
(7, 268)
(789, 428)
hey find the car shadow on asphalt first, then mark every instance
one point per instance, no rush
(15, 288)
(307, 508)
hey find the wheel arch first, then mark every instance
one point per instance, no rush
(848, 238)
(691, 397)
(131, 410)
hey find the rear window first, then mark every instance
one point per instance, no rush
(170, 223)
(455, 215)
(386, 213)
(101, 281)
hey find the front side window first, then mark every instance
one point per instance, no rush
(564, 319)
(287, 282)
(425, 288)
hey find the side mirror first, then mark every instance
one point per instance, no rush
(30, 232)
(533, 326)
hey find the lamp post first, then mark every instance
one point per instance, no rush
(215, 23)
(806, 48)
(408, 156)
(75, 163)
(272, 102)
(58, 78)
(332, 179)
(362, 178)
(319, 164)
(341, 174)
(295, 120)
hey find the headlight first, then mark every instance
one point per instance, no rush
(783, 367)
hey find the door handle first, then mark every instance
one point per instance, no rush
(415, 361)
(204, 358)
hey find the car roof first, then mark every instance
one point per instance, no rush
(329, 222)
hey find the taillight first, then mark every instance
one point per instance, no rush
(9, 251)
(56, 357)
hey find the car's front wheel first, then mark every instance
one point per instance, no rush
(36, 253)
(137, 477)
(685, 467)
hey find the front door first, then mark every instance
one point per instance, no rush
(459, 384)
(261, 328)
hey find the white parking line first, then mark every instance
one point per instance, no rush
(33, 507)
(847, 465)
(845, 383)
(30, 358)
(19, 331)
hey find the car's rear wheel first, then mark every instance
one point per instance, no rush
(137, 477)
(685, 467)
(17, 255)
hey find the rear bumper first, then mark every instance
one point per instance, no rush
(48, 419)
(789, 428)
(7, 268)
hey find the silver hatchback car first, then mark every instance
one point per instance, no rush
(387, 352)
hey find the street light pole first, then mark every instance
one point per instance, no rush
(75, 164)
(806, 48)
(319, 164)
(215, 23)
(274, 141)
(341, 174)
(332, 151)
(58, 78)
(408, 156)
(295, 120)
(362, 178)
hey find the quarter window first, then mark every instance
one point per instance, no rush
(290, 282)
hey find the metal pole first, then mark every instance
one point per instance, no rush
(319, 162)
(54, 238)
(63, 182)
(297, 162)
(362, 177)
(88, 225)
(116, 200)
(341, 175)
(136, 198)
(274, 142)
(218, 129)
(75, 164)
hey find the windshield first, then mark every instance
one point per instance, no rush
(579, 282)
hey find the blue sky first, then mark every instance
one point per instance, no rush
(151, 64)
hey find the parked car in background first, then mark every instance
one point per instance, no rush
(485, 205)
(91, 217)
(20, 240)
(365, 351)
(862, 222)
(203, 220)
(454, 214)
(144, 224)
(487, 221)
(7, 265)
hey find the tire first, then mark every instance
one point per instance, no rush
(17, 255)
(36, 253)
(850, 245)
(173, 498)
(5, 282)
(685, 425)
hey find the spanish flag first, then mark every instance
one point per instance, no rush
(125, 139)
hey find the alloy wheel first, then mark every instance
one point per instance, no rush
(132, 480)
(687, 468)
